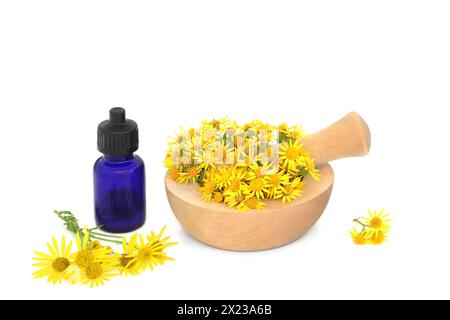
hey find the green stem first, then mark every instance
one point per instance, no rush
(102, 239)
(363, 225)
(105, 235)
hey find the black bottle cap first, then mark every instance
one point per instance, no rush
(117, 136)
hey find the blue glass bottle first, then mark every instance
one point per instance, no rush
(119, 176)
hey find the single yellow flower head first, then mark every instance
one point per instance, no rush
(256, 188)
(150, 253)
(378, 238)
(232, 199)
(297, 133)
(125, 264)
(377, 221)
(311, 168)
(224, 177)
(87, 254)
(95, 273)
(189, 174)
(53, 265)
(236, 184)
(208, 189)
(218, 197)
(292, 155)
(359, 238)
(249, 203)
(292, 191)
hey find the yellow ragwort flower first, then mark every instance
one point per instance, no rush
(96, 273)
(149, 252)
(292, 155)
(378, 238)
(126, 265)
(218, 197)
(377, 221)
(208, 189)
(292, 191)
(359, 238)
(236, 182)
(87, 254)
(190, 175)
(251, 202)
(53, 265)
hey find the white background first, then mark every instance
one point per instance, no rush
(171, 63)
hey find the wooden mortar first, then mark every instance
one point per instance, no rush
(223, 227)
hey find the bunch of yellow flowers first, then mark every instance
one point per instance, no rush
(241, 166)
(374, 228)
(93, 263)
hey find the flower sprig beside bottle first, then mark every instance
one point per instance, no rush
(93, 263)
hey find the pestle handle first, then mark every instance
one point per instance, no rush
(348, 137)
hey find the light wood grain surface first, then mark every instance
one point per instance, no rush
(224, 227)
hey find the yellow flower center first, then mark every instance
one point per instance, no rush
(359, 239)
(288, 190)
(94, 271)
(145, 254)
(235, 185)
(192, 172)
(252, 202)
(60, 264)
(218, 197)
(125, 262)
(275, 180)
(378, 238)
(292, 153)
(84, 258)
(376, 223)
(256, 185)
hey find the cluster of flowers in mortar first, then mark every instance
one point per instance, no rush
(241, 166)
(373, 229)
(93, 263)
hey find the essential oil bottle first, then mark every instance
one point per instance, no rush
(119, 175)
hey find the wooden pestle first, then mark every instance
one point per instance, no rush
(348, 137)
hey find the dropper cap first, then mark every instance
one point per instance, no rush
(117, 136)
